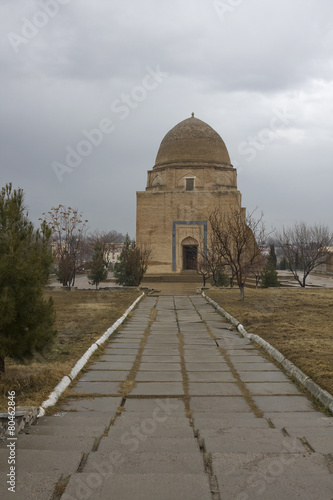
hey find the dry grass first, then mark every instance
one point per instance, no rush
(298, 322)
(82, 317)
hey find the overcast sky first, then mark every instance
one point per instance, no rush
(90, 88)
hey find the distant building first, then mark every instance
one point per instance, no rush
(192, 177)
(112, 252)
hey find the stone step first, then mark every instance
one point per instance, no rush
(24, 416)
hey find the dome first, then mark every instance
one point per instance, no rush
(192, 142)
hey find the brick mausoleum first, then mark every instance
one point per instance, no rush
(191, 177)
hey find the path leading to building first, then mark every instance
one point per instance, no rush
(178, 407)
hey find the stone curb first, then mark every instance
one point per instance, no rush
(324, 397)
(65, 382)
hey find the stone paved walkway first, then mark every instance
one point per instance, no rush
(178, 407)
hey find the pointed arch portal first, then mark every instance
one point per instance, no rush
(191, 253)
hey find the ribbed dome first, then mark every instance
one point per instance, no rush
(192, 141)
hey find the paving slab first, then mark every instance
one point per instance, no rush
(120, 358)
(321, 444)
(59, 462)
(260, 388)
(258, 440)
(124, 341)
(167, 405)
(75, 421)
(241, 351)
(159, 366)
(199, 342)
(158, 389)
(224, 404)
(152, 444)
(106, 376)
(173, 376)
(157, 351)
(118, 351)
(214, 389)
(296, 487)
(261, 462)
(207, 366)
(146, 428)
(313, 431)
(158, 462)
(295, 418)
(80, 428)
(150, 358)
(208, 352)
(100, 405)
(192, 328)
(159, 339)
(143, 486)
(225, 419)
(56, 442)
(211, 376)
(205, 358)
(263, 376)
(209, 426)
(106, 388)
(250, 358)
(256, 366)
(273, 476)
(112, 365)
(283, 403)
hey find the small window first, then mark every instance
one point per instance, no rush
(189, 184)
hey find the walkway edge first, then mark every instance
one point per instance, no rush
(64, 383)
(324, 397)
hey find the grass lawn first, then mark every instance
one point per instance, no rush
(82, 317)
(298, 322)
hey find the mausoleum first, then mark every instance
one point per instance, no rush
(192, 177)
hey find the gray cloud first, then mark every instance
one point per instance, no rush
(235, 73)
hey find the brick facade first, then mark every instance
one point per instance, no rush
(192, 176)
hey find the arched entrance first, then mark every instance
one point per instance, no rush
(190, 254)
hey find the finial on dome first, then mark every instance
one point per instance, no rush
(192, 115)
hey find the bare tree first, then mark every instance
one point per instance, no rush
(305, 247)
(209, 264)
(238, 241)
(68, 228)
(204, 267)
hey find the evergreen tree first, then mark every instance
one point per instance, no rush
(272, 256)
(221, 278)
(98, 272)
(132, 264)
(283, 265)
(26, 319)
(269, 276)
